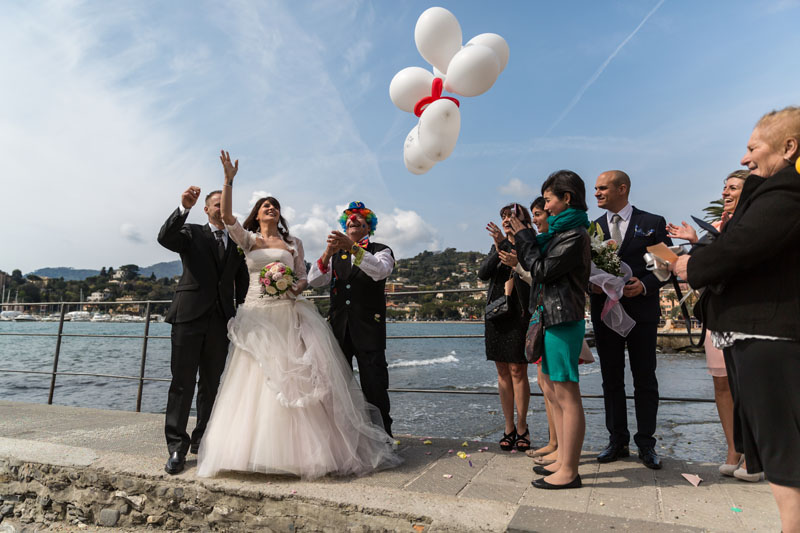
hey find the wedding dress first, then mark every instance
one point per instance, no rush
(288, 402)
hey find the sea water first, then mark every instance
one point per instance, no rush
(687, 430)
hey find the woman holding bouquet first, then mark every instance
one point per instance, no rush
(288, 402)
(505, 335)
(559, 263)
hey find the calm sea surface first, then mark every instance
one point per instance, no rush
(686, 430)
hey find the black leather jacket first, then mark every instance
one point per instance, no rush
(561, 273)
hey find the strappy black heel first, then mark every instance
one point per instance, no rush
(508, 440)
(523, 442)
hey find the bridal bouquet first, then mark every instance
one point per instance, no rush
(611, 275)
(604, 253)
(276, 278)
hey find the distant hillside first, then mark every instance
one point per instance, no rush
(68, 273)
(161, 270)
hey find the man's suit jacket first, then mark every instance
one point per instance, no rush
(206, 278)
(644, 229)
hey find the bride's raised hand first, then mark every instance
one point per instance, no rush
(230, 168)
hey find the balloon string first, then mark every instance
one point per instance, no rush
(436, 94)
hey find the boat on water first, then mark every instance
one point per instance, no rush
(25, 317)
(101, 317)
(78, 316)
(9, 315)
(122, 318)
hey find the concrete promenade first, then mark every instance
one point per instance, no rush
(76, 466)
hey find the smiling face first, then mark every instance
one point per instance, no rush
(540, 219)
(357, 227)
(609, 194)
(731, 193)
(268, 213)
(553, 204)
(763, 157)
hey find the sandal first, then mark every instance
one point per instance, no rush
(508, 440)
(523, 443)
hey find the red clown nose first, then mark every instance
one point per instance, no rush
(353, 218)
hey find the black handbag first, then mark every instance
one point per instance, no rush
(497, 308)
(534, 337)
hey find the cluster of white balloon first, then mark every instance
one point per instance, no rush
(468, 70)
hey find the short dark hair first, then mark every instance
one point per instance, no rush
(524, 215)
(562, 182)
(212, 193)
(537, 204)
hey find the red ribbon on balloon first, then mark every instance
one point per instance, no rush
(436, 94)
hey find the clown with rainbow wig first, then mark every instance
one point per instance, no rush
(356, 269)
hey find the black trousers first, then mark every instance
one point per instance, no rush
(200, 345)
(641, 345)
(733, 384)
(374, 375)
(767, 374)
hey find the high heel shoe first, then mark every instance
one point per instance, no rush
(509, 440)
(728, 470)
(523, 443)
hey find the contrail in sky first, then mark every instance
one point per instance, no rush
(600, 70)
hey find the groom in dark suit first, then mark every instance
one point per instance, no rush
(203, 303)
(634, 230)
(356, 269)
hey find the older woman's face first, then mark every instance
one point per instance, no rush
(731, 193)
(761, 157)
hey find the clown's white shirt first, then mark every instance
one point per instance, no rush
(378, 266)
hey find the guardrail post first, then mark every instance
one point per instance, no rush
(144, 359)
(55, 357)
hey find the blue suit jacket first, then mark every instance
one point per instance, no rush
(644, 229)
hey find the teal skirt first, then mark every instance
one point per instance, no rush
(562, 349)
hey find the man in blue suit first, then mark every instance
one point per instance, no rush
(634, 231)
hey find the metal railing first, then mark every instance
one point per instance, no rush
(145, 337)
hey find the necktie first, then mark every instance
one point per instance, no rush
(616, 234)
(220, 243)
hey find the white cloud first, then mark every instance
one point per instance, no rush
(406, 233)
(515, 187)
(131, 233)
(314, 230)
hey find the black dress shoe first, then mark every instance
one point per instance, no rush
(542, 484)
(613, 452)
(175, 463)
(650, 458)
(194, 447)
(542, 471)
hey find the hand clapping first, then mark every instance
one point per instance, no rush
(190, 196)
(495, 232)
(339, 241)
(508, 258)
(684, 231)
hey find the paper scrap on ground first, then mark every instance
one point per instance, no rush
(427, 442)
(464, 444)
(462, 455)
(447, 476)
(736, 510)
(693, 479)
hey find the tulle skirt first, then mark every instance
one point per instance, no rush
(288, 402)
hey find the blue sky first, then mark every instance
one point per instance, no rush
(111, 109)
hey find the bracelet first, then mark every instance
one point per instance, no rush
(229, 184)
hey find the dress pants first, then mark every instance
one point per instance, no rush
(374, 375)
(641, 344)
(730, 368)
(200, 345)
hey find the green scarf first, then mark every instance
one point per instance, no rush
(566, 220)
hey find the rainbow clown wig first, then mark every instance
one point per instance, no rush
(361, 209)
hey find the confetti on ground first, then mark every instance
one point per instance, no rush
(736, 510)
(428, 453)
(450, 451)
(418, 527)
(470, 464)
(427, 442)
(464, 444)
(294, 492)
(462, 455)
(513, 451)
(447, 476)
(693, 479)
(397, 442)
(485, 448)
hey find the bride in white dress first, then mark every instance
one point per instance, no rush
(288, 402)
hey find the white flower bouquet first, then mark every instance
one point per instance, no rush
(610, 274)
(276, 278)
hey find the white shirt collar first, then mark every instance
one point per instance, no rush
(213, 228)
(625, 213)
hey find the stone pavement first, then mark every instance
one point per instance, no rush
(98, 467)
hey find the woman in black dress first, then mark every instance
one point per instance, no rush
(505, 334)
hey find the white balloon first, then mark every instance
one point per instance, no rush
(472, 71)
(415, 159)
(439, 126)
(496, 43)
(439, 74)
(408, 86)
(438, 36)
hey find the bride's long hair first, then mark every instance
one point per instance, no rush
(251, 224)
